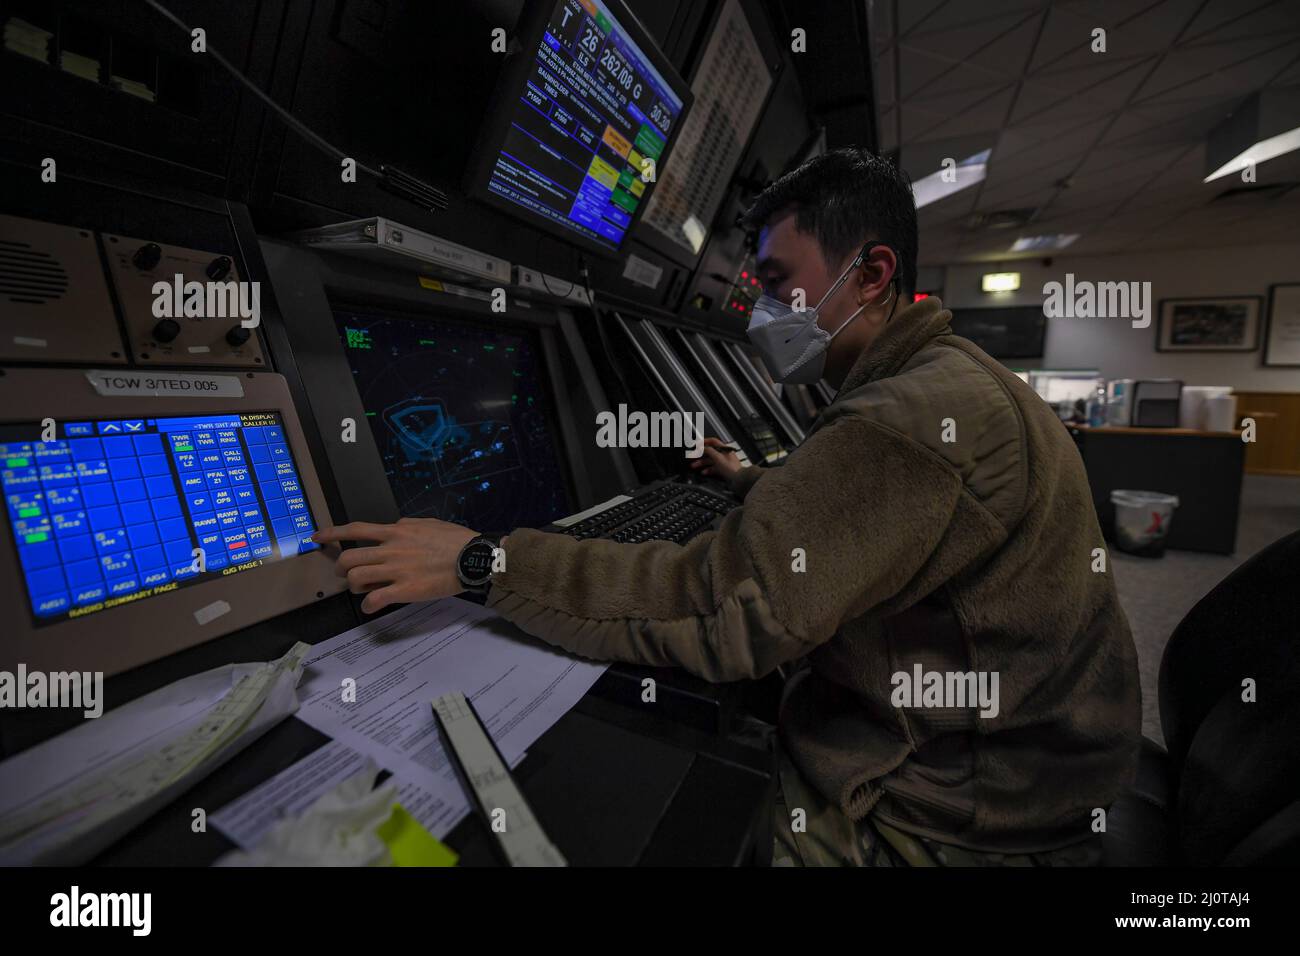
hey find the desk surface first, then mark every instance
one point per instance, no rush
(611, 786)
(614, 781)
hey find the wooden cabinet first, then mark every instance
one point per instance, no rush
(1276, 448)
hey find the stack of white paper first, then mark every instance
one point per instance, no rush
(371, 689)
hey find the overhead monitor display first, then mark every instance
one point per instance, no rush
(113, 511)
(462, 418)
(584, 123)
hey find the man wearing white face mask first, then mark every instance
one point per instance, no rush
(935, 521)
(793, 341)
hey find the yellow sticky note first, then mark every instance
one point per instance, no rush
(432, 284)
(411, 844)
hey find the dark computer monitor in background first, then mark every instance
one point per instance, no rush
(462, 417)
(577, 115)
(1004, 332)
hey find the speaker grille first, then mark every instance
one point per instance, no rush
(28, 275)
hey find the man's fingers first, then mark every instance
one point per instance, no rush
(367, 578)
(354, 531)
(356, 557)
(380, 599)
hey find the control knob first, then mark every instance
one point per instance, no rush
(166, 330)
(147, 256)
(218, 268)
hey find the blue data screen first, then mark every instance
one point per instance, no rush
(592, 112)
(113, 511)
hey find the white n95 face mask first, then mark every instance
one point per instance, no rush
(791, 344)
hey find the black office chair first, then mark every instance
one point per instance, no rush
(1227, 790)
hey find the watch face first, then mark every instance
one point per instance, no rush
(476, 562)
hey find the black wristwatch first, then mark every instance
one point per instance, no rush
(474, 564)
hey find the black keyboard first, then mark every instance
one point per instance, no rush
(670, 512)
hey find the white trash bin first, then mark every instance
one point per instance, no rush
(1142, 520)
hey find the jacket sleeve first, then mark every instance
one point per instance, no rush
(841, 526)
(743, 480)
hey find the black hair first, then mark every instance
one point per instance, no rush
(843, 198)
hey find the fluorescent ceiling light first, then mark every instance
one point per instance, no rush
(1001, 281)
(1262, 151)
(934, 187)
(1044, 243)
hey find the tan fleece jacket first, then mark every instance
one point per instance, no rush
(876, 547)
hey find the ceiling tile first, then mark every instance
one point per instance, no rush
(1153, 29)
(1111, 146)
(917, 121)
(1072, 143)
(917, 69)
(965, 43)
(1009, 52)
(1241, 79)
(955, 101)
(913, 14)
(962, 78)
(987, 114)
(1228, 18)
(1066, 38)
(1184, 68)
(1104, 97)
(1289, 76)
(1115, 162)
(958, 14)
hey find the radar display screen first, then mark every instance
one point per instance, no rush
(462, 419)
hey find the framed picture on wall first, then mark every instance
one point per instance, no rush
(1228, 324)
(1282, 336)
